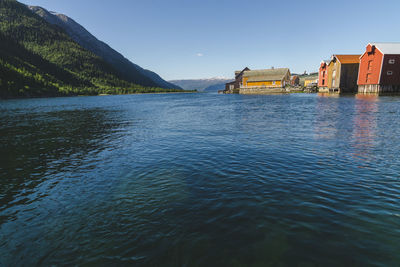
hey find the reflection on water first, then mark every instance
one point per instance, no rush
(329, 95)
(327, 116)
(200, 179)
(365, 125)
(348, 120)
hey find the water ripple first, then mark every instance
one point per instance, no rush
(200, 179)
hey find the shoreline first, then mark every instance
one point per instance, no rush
(57, 96)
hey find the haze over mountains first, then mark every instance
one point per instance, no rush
(212, 84)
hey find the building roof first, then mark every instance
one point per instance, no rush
(348, 59)
(388, 48)
(238, 72)
(266, 75)
(325, 63)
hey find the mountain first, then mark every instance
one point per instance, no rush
(128, 70)
(26, 74)
(215, 87)
(41, 59)
(213, 84)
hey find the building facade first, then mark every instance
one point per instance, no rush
(323, 76)
(233, 87)
(343, 73)
(309, 82)
(295, 80)
(265, 81)
(380, 69)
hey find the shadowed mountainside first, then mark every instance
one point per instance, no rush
(40, 59)
(128, 70)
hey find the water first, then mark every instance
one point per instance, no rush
(200, 179)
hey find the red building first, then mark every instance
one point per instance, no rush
(323, 76)
(380, 68)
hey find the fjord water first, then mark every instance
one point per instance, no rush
(200, 179)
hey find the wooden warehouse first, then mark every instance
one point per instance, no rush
(343, 73)
(265, 81)
(237, 83)
(323, 76)
(380, 68)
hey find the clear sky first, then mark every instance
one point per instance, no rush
(182, 39)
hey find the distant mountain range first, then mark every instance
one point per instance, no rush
(45, 54)
(212, 84)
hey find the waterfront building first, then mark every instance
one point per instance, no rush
(294, 80)
(323, 76)
(237, 83)
(380, 68)
(310, 81)
(265, 81)
(343, 73)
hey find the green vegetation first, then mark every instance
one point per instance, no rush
(40, 59)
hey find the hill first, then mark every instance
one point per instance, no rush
(41, 59)
(128, 70)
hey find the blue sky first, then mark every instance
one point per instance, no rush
(201, 39)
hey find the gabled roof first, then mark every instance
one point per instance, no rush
(348, 59)
(325, 63)
(238, 72)
(266, 75)
(388, 48)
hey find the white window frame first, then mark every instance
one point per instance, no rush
(392, 61)
(389, 72)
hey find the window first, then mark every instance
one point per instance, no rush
(368, 80)
(370, 65)
(392, 61)
(323, 74)
(390, 72)
(323, 82)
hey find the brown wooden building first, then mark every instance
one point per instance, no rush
(237, 83)
(343, 73)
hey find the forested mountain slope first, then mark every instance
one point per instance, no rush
(128, 70)
(40, 59)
